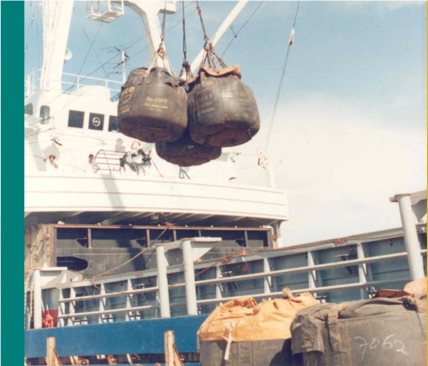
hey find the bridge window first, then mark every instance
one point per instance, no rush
(75, 119)
(112, 123)
(96, 121)
(45, 112)
(28, 109)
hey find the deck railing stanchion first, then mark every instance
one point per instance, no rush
(362, 269)
(312, 275)
(267, 280)
(413, 247)
(37, 299)
(162, 281)
(189, 278)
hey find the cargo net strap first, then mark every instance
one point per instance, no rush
(160, 54)
(209, 54)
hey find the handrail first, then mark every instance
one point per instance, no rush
(251, 276)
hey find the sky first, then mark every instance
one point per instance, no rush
(350, 129)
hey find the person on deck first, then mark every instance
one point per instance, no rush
(93, 166)
(51, 164)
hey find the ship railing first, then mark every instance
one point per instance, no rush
(108, 160)
(115, 162)
(72, 83)
(191, 301)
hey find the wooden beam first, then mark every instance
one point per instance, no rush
(52, 358)
(172, 357)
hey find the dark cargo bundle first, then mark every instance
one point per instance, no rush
(153, 107)
(222, 110)
(381, 331)
(185, 152)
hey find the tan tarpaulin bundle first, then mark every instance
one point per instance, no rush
(244, 320)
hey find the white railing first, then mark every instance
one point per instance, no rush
(265, 291)
(71, 83)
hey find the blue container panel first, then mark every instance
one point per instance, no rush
(139, 337)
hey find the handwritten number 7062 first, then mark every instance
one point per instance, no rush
(387, 343)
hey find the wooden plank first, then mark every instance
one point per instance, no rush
(172, 357)
(52, 358)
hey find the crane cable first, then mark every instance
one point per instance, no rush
(235, 35)
(290, 42)
(185, 67)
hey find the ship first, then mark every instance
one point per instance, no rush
(116, 255)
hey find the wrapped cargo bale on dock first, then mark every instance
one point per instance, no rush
(153, 106)
(244, 333)
(389, 331)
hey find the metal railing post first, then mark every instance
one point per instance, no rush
(411, 240)
(162, 281)
(189, 278)
(37, 298)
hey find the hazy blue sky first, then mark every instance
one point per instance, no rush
(351, 126)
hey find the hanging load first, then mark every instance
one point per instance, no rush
(222, 110)
(185, 152)
(153, 106)
(245, 333)
(383, 331)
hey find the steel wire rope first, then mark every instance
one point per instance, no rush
(62, 163)
(168, 30)
(240, 29)
(87, 37)
(149, 32)
(168, 226)
(281, 81)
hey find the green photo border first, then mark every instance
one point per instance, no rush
(12, 182)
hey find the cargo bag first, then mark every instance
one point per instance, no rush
(244, 333)
(222, 110)
(376, 332)
(153, 106)
(275, 352)
(184, 152)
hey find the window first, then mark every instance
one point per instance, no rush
(75, 119)
(96, 121)
(28, 109)
(112, 124)
(45, 114)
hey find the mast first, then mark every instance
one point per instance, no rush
(56, 27)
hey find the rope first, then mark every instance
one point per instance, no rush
(208, 47)
(236, 34)
(163, 28)
(168, 226)
(185, 66)
(290, 42)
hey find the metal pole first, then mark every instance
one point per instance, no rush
(189, 278)
(37, 298)
(413, 247)
(162, 281)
